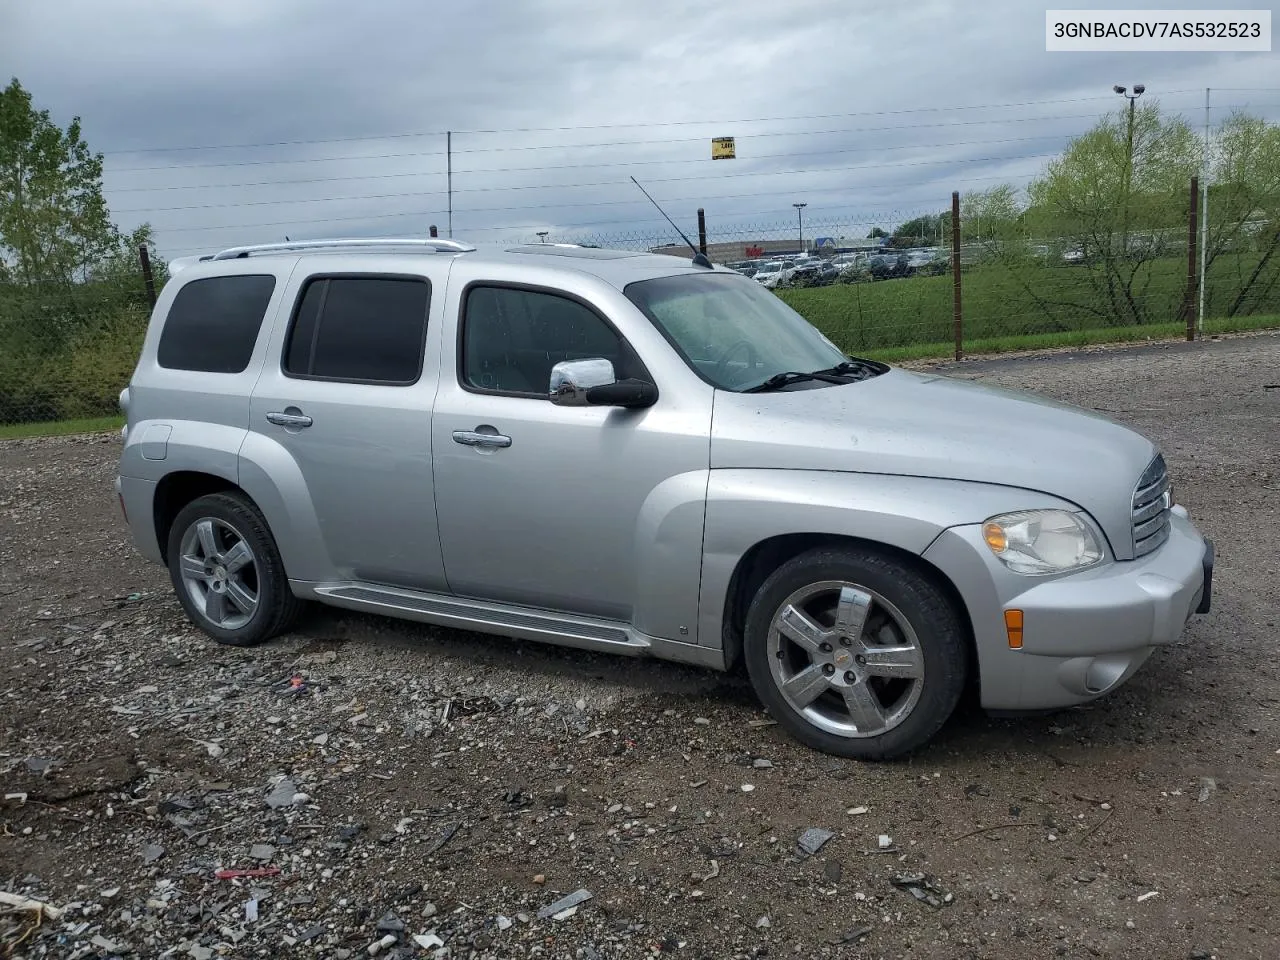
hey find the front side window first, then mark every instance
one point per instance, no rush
(512, 337)
(359, 329)
(734, 333)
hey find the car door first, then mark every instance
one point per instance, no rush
(341, 418)
(576, 509)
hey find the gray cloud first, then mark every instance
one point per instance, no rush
(867, 113)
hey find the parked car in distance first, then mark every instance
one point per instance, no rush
(889, 266)
(636, 454)
(773, 273)
(805, 268)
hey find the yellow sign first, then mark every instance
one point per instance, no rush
(722, 148)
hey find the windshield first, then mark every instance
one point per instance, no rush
(733, 332)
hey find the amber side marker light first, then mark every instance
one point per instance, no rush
(994, 534)
(1013, 627)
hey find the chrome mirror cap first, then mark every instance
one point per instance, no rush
(571, 379)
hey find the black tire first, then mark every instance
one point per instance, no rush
(938, 629)
(277, 608)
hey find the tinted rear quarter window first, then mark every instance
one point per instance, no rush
(363, 329)
(213, 323)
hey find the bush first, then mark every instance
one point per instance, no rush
(66, 352)
(99, 364)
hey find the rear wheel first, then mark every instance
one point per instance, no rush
(227, 571)
(855, 653)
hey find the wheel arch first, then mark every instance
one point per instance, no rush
(762, 558)
(177, 489)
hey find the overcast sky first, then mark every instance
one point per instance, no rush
(244, 120)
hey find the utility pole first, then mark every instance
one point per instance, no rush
(1187, 308)
(1138, 89)
(800, 218)
(448, 150)
(1204, 216)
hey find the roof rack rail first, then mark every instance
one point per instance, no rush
(435, 245)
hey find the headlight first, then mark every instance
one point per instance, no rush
(1041, 541)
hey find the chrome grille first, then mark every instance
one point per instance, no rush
(1151, 503)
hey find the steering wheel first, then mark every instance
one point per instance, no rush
(753, 358)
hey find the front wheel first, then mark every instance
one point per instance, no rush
(855, 653)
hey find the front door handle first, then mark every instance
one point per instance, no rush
(473, 439)
(283, 419)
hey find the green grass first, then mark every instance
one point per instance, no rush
(1000, 304)
(59, 428)
(917, 351)
(1074, 338)
(65, 367)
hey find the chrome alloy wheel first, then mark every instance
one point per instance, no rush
(220, 573)
(845, 659)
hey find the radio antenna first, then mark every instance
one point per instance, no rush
(699, 258)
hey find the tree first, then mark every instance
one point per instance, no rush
(876, 234)
(54, 223)
(990, 216)
(1125, 209)
(922, 231)
(1244, 206)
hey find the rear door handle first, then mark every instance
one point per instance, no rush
(283, 419)
(473, 439)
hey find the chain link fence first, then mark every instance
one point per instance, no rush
(66, 350)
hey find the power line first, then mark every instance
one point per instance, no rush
(580, 166)
(436, 212)
(599, 183)
(613, 143)
(592, 146)
(619, 126)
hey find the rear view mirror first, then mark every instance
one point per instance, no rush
(582, 383)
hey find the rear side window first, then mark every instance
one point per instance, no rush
(213, 323)
(361, 329)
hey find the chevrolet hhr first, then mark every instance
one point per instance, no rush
(646, 455)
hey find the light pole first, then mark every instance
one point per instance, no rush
(1138, 89)
(542, 234)
(800, 218)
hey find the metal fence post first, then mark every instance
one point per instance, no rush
(144, 257)
(1193, 235)
(702, 231)
(957, 316)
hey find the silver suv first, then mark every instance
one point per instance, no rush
(643, 455)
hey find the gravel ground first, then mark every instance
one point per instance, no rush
(406, 791)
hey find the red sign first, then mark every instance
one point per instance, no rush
(755, 250)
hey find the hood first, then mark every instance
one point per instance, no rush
(925, 425)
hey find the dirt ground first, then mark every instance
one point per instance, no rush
(430, 784)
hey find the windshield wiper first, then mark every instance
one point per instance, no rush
(840, 373)
(849, 366)
(793, 376)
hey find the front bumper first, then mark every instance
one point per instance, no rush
(1084, 634)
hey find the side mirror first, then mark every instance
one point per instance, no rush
(583, 383)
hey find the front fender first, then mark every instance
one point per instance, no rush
(747, 507)
(668, 556)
